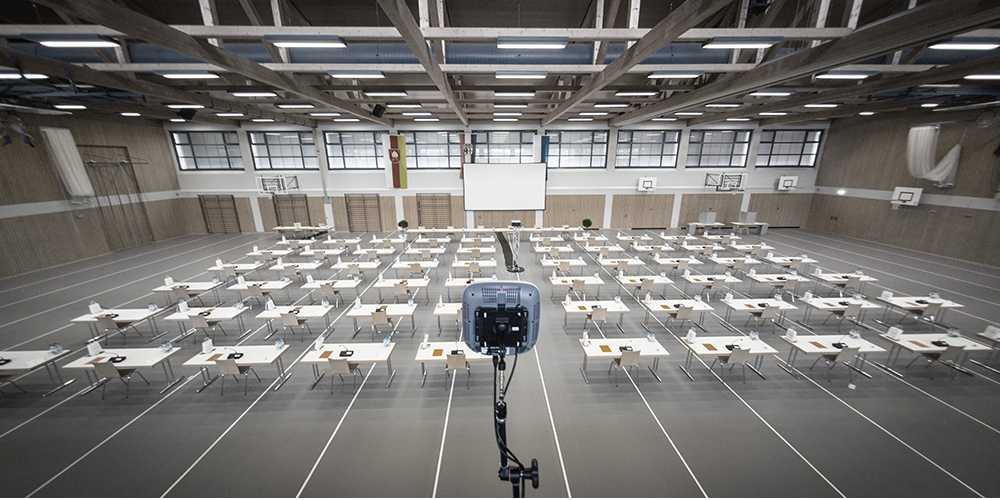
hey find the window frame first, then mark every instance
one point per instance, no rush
(593, 134)
(267, 145)
(662, 155)
(381, 161)
(411, 152)
(487, 132)
(224, 144)
(701, 154)
(818, 142)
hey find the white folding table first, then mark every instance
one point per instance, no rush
(448, 310)
(584, 307)
(415, 284)
(830, 345)
(235, 268)
(302, 312)
(14, 363)
(220, 313)
(391, 311)
(437, 353)
(835, 304)
(670, 306)
(189, 289)
(123, 318)
(756, 306)
(461, 283)
(926, 343)
(611, 349)
(244, 355)
(129, 359)
(567, 281)
(267, 288)
(367, 352)
(714, 347)
(917, 305)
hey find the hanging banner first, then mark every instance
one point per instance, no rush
(397, 157)
(468, 154)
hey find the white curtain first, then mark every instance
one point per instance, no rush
(67, 162)
(921, 151)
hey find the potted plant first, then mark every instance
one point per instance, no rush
(586, 223)
(403, 225)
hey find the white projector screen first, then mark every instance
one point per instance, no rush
(504, 186)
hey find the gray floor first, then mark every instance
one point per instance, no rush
(928, 434)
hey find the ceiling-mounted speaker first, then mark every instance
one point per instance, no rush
(187, 114)
(378, 111)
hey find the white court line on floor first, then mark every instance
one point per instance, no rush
(873, 248)
(444, 434)
(109, 438)
(104, 276)
(884, 430)
(109, 263)
(43, 412)
(67, 325)
(852, 264)
(118, 287)
(335, 430)
(897, 247)
(925, 271)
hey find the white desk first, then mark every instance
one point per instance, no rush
(748, 226)
(789, 261)
(584, 237)
(134, 359)
(428, 251)
(638, 247)
(411, 284)
(567, 281)
(357, 266)
(123, 318)
(708, 281)
(485, 240)
(714, 347)
(840, 279)
(212, 314)
(835, 305)
(415, 266)
(752, 248)
(339, 286)
(483, 264)
(732, 262)
(188, 289)
(461, 283)
(270, 253)
(267, 288)
(302, 312)
(778, 280)
(633, 237)
(340, 241)
(451, 310)
(295, 268)
(545, 240)
(670, 306)
(924, 343)
(296, 243)
(244, 355)
(429, 240)
(482, 250)
(235, 268)
(677, 237)
(391, 310)
(322, 252)
(702, 248)
(368, 352)
(620, 263)
(756, 306)
(14, 363)
(584, 307)
(728, 238)
(574, 262)
(420, 230)
(830, 345)
(693, 227)
(611, 349)
(674, 262)
(398, 240)
(557, 248)
(437, 353)
(636, 280)
(605, 248)
(917, 305)
(374, 251)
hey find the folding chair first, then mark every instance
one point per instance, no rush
(852, 311)
(475, 252)
(627, 361)
(596, 314)
(767, 313)
(326, 290)
(577, 285)
(951, 356)
(228, 367)
(199, 322)
(473, 269)
(852, 283)
(291, 321)
(254, 293)
(106, 372)
(737, 357)
(645, 285)
(458, 362)
(401, 289)
(415, 269)
(341, 367)
(932, 312)
(380, 320)
(563, 266)
(845, 356)
(682, 314)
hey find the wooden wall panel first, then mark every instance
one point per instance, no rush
(267, 214)
(340, 213)
(726, 205)
(170, 218)
(245, 215)
(37, 241)
(955, 232)
(387, 207)
(502, 218)
(569, 210)
(634, 211)
(781, 209)
(410, 210)
(457, 210)
(316, 213)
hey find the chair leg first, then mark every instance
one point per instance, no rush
(222, 385)
(255, 375)
(143, 377)
(124, 381)
(814, 363)
(246, 381)
(914, 360)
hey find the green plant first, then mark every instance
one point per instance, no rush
(587, 223)
(403, 224)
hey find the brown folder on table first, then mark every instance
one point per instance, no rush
(215, 356)
(605, 348)
(818, 344)
(582, 308)
(919, 344)
(437, 352)
(710, 347)
(326, 355)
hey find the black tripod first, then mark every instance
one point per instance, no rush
(511, 469)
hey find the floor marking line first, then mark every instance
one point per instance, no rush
(444, 434)
(897, 247)
(36, 417)
(109, 438)
(335, 430)
(552, 422)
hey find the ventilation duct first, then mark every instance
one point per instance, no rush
(67, 162)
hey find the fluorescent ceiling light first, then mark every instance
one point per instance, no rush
(820, 105)
(69, 106)
(426, 120)
(229, 115)
(580, 119)
(506, 113)
(346, 120)
(185, 106)
(742, 43)
(306, 42)
(253, 94)
(929, 105)
(386, 93)
(77, 43)
(866, 113)
(513, 94)
(594, 113)
(841, 192)
(532, 43)
(324, 114)
(664, 119)
(10, 76)
(737, 119)
(968, 43)
(14, 75)
(505, 119)
(190, 76)
(296, 106)
(985, 76)
(130, 114)
(178, 120)
(403, 106)
(941, 85)
(770, 93)
(263, 120)
(520, 75)
(510, 106)
(356, 75)
(675, 75)
(611, 105)
(689, 113)
(723, 105)
(416, 113)
(844, 75)
(773, 113)
(635, 93)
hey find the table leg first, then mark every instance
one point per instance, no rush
(206, 379)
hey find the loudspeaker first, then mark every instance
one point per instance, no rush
(187, 114)
(378, 111)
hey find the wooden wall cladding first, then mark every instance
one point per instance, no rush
(634, 211)
(781, 209)
(569, 210)
(726, 205)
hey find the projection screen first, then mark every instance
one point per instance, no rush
(504, 186)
